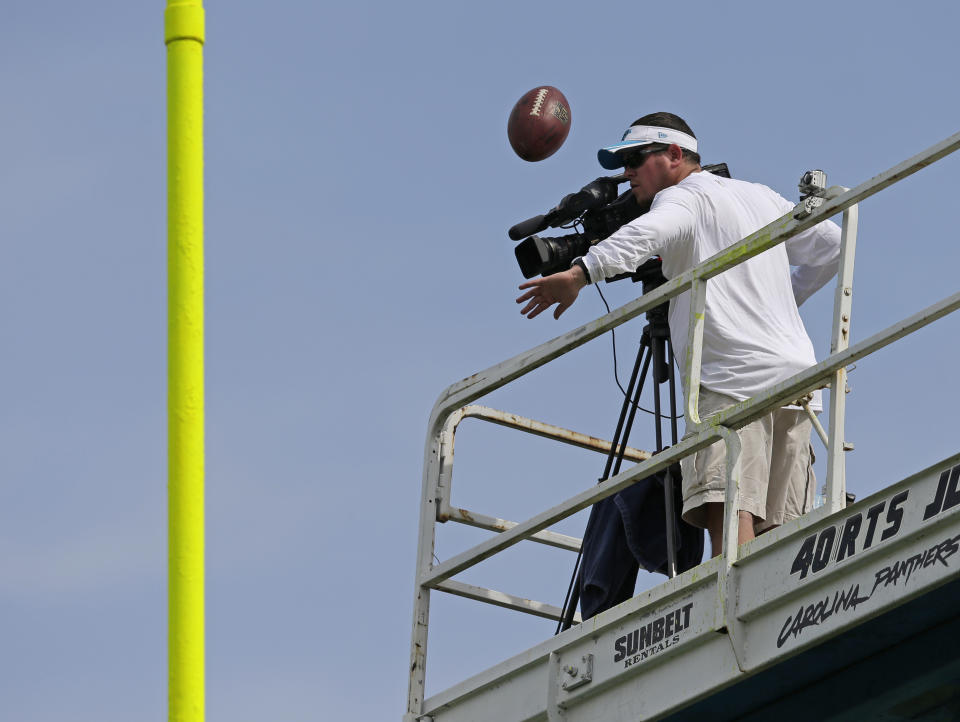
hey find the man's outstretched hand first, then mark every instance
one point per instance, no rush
(560, 288)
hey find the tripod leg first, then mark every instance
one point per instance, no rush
(659, 350)
(573, 598)
(617, 450)
(671, 527)
(657, 412)
(673, 394)
(635, 401)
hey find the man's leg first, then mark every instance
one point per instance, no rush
(705, 473)
(792, 481)
(715, 527)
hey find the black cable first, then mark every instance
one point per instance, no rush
(613, 336)
(565, 609)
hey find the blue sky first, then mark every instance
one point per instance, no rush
(359, 187)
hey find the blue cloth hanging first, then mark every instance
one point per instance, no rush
(627, 531)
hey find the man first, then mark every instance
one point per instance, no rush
(753, 336)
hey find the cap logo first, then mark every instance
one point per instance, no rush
(642, 134)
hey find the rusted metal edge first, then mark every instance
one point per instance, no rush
(549, 431)
(492, 523)
(502, 599)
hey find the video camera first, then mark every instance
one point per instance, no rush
(598, 210)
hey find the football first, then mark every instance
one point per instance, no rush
(539, 123)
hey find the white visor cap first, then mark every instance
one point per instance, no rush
(640, 135)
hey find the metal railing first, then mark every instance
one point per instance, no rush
(453, 405)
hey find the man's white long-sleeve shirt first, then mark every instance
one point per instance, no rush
(753, 335)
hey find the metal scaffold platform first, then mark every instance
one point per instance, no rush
(851, 612)
(840, 616)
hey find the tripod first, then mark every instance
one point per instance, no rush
(656, 349)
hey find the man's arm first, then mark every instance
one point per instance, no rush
(623, 251)
(560, 288)
(669, 221)
(816, 255)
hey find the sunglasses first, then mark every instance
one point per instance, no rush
(633, 159)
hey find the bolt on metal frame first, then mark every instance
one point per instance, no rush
(435, 503)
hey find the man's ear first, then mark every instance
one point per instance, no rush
(676, 153)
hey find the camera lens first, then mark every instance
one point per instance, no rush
(544, 256)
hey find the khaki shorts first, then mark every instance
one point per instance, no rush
(776, 467)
